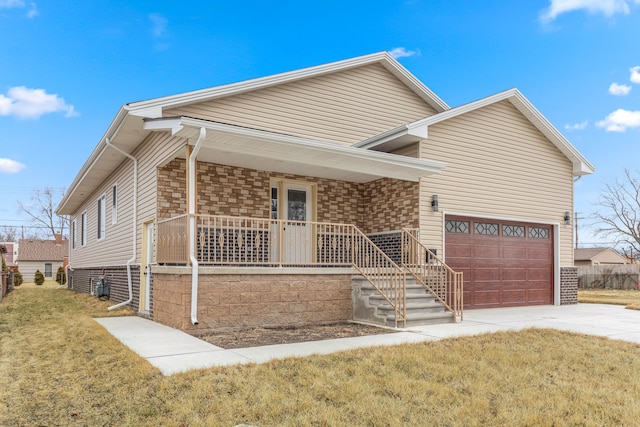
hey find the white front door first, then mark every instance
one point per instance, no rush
(298, 209)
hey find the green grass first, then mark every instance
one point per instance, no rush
(628, 298)
(59, 367)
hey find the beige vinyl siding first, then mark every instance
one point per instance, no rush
(344, 107)
(28, 269)
(150, 154)
(499, 165)
(116, 247)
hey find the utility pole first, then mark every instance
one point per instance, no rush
(575, 224)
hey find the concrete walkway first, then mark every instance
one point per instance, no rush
(173, 351)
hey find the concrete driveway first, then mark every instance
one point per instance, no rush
(173, 351)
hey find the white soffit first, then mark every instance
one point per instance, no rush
(257, 149)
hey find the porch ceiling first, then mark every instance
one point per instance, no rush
(257, 149)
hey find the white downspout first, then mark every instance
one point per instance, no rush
(135, 224)
(192, 225)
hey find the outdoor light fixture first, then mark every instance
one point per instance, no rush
(434, 202)
(567, 218)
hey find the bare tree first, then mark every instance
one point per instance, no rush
(619, 217)
(9, 234)
(41, 210)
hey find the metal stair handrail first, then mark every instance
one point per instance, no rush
(382, 273)
(445, 284)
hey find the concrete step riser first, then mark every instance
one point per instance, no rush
(422, 307)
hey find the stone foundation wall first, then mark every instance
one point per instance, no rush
(250, 300)
(568, 285)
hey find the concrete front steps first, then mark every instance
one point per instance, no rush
(422, 307)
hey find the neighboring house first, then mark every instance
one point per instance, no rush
(44, 255)
(248, 204)
(598, 256)
(11, 255)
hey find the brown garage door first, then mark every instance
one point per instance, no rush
(505, 264)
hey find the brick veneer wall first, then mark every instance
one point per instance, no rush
(228, 190)
(250, 300)
(82, 278)
(568, 285)
(391, 204)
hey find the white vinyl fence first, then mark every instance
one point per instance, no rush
(609, 277)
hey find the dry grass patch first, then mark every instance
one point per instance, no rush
(628, 298)
(59, 367)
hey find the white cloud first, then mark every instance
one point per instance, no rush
(577, 126)
(620, 90)
(8, 4)
(635, 74)
(620, 120)
(33, 11)
(606, 7)
(10, 166)
(401, 52)
(28, 103)
(158, 25)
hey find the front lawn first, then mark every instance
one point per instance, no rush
(628, 298)
(59, 367)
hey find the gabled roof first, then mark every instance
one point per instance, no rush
(419, 128)
(42, 250)
(587, 254)
(128, 130)
(154, 107)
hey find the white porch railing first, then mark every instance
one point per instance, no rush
(244, 241)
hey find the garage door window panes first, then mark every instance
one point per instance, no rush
(485, 228)
(538, 233)
(453, 226)
(513, 231)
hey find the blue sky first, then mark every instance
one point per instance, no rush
(66, 67)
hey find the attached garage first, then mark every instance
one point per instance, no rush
(505, 263)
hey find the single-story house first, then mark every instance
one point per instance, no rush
(597, 256)
(44, 255)
(322, 194)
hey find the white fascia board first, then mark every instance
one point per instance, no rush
(408, 133)
(112, 130)
(174, 124)
(342, 152)
(153, 107)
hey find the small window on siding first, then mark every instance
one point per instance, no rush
(83, 229)
(485, 228)
(73, 234)
(102, 202)
(48, 270)
(114, 204)
(513, 230)
(457, 226)
(538, 233)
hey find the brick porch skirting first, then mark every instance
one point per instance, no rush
(250, 300)
(568, 285)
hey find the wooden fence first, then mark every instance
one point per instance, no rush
(609, 277)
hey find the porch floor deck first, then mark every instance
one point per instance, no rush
(173, 351)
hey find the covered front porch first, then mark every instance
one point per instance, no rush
(274, 211)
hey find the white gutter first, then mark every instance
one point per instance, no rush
(135, 223)
(192, 225)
